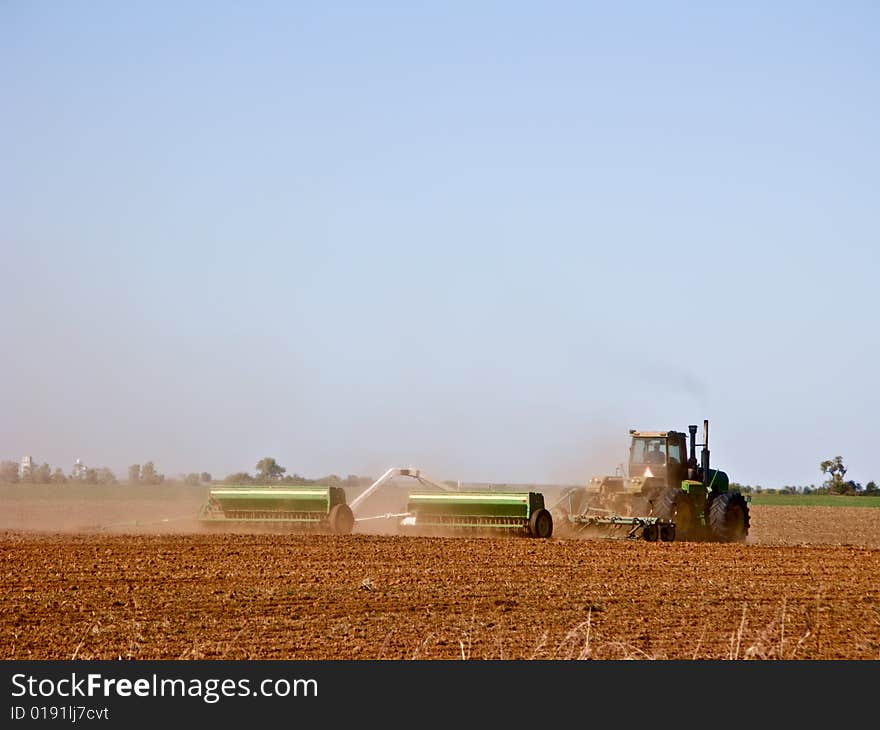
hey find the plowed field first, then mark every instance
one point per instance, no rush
(805, 586)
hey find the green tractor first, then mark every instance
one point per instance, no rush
(666, 493)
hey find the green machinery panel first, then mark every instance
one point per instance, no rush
(239, 499)
(510, 507)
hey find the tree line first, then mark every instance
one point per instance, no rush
(267, 471)
(44, 474)
(147, 473)
(835, 483)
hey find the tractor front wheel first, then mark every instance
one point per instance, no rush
(675, 505)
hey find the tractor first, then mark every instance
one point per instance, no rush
(666, 494)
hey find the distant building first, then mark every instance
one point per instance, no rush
(79, 470)
(26, 467)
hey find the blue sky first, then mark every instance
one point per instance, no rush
(484, 239)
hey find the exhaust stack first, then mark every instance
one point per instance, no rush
(705, 454)
(692, 453)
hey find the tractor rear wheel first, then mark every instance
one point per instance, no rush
(341, 519)
(675, 505)
(729, 517)
(541, 523)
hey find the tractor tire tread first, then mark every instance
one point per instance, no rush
(722, 507)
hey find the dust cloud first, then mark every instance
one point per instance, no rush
(166, 508)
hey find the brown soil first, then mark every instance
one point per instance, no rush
(805, 586)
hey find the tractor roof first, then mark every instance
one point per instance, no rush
(650, 434)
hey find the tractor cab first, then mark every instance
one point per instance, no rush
(658, 457)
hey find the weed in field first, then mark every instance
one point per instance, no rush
(771, 641)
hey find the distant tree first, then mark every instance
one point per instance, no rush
(9, 472)
(91, 476)
(42, 474)
(105, 476)
(836, 484)
(205, 477)
(134, 473)
(331, 480)
(240, 477)
(836, 472)
(297, 480)
(192, 479)
(269, 470)
(149, 475)
(871, 488)
(58, 476)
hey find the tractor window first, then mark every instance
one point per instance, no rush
(638, 451)
(649, 451)
(675, 453)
